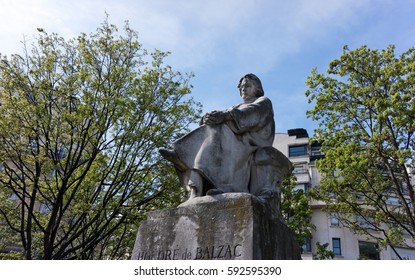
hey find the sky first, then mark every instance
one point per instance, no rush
(219, 41)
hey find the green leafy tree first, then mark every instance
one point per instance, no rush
(323, 253)
(296, 210)
(365, 106)
(81, 121)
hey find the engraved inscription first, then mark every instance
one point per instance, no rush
(218, 252)
(225, 252)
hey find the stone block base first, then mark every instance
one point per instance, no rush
(231, 226)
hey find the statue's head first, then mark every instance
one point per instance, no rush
(256, 81)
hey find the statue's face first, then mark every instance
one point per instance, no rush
(248, 89)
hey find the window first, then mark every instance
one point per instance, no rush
(366, 222)
(300, 168)
(304, 187)
(368, 251)
(334, 219)
(337, 249)
(307, 187)
(307, 246)
(316, 151)
(298, 150)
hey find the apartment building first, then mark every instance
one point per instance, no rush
(296, 145)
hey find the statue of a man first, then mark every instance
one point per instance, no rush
(218, 156)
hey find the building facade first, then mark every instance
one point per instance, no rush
(296, 145)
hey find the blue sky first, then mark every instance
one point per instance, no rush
(220, 40)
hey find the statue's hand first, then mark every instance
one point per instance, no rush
(216, 117)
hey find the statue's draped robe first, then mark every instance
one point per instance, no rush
(223, 154)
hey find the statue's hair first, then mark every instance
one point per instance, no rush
(256, 80)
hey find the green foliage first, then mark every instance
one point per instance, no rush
(322, 252)
(296, 211)
(11, 255)
(365, 107)
(81, 121)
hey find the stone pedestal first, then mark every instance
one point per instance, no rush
(226, 226)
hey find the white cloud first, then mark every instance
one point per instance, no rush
(197, 32)
(254, 32)
(221, 40)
